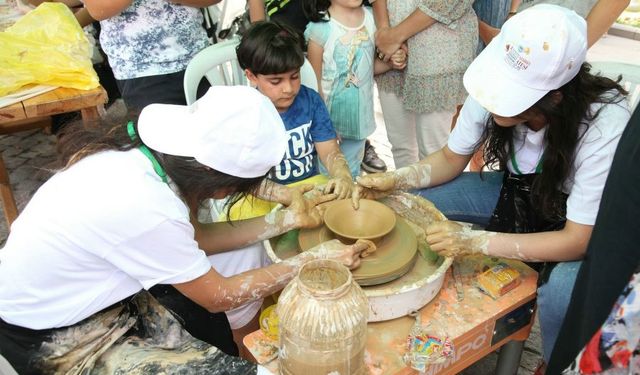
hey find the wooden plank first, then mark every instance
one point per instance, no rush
(12, 112)
(27, 124)
(6, 194)
(63, 100)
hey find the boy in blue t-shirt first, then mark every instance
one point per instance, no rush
(271, 55)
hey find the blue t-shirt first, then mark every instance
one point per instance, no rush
(307, 121)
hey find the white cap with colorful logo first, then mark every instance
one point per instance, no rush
(232, 129)
(538, 50)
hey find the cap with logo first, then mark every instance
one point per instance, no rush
(536, 51)
(232, 129)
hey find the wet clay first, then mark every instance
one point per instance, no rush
(371, 221)
(371, 248)
(395, 253)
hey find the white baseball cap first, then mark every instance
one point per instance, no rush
(232, 129)
(537, 51)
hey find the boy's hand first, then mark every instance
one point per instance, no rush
(341, 187)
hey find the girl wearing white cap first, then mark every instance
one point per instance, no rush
(118, 219)
(551, 128)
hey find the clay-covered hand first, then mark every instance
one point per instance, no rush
(274, 192)
(341, 183)
(451, 239)
(373, 186)
(349, 255)
(304, 212)
(340, 186)
(378, 185)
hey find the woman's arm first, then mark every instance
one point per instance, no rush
(256, 10)
(602, 16)
(427, 13)
(452, 239)
(101, 10)
(437, 168)
(224, 236)
(486, 31)
(314, 55)
(389, 40)
(83, 17)
(217, 293)
(341, 183)
(380, 13)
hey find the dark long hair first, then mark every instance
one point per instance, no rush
(567, 121)
(270, 47)
(316, 10)
(195, 181)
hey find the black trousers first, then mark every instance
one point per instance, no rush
(138, 93)
(212, 328)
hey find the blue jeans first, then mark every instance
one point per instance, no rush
(471, 199)
(553, 301)
(353, 151)
(468, 197)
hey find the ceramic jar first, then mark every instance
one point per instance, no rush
(323, 322)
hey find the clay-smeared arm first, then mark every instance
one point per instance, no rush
(217, 293)
(437, 168)
(341, 183)
(450, 238)
(224, 236)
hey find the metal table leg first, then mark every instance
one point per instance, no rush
(509, 358)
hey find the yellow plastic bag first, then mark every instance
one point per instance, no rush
(46, 46)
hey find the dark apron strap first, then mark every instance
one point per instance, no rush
(515, 211)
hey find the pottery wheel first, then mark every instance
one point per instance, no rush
(395, 254)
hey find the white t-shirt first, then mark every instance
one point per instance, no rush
(91, 236)
(593, 156)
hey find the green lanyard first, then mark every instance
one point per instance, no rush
(514, 163)
(145, 150)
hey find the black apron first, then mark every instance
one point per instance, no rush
(516, 212)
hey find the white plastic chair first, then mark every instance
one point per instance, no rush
(630, 77)
(219, 64)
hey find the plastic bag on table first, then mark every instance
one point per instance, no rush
(46, 46)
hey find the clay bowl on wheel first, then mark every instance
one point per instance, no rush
(372, 221)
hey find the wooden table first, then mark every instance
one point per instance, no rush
(35, 113)
(60, 100)
(477, 325)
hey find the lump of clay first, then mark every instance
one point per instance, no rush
(371, 248)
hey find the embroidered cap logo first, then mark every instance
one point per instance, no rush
(514, 57)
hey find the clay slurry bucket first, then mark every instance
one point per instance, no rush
(323, 321)
(372, 221)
